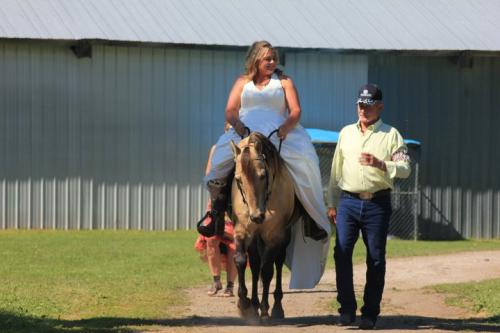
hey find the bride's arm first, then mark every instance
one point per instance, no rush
(293, 105)
(233, 106)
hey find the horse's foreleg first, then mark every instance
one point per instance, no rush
(254, 258)
(277, 312)
(240, 259)
(267, 272)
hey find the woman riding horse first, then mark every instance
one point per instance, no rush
(264, 99)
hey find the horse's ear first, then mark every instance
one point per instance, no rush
(236, 150)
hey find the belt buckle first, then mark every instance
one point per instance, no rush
(366, 196)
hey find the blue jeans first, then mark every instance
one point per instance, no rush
(372, 219)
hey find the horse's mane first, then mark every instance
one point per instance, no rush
(263, 146)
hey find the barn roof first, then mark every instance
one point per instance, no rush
(425, 25)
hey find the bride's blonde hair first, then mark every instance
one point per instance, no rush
(255, 54)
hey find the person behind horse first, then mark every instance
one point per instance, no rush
(218, 251)
(368, 156)
(263, 99)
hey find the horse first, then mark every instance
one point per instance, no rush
(264, 208)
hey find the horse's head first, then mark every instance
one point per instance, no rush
(257, 163)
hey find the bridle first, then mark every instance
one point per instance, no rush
(269, 185)
(260, 157)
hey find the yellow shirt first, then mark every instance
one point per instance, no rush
(381, 140)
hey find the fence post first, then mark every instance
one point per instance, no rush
(415, 204)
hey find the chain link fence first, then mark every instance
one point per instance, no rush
(405, 196)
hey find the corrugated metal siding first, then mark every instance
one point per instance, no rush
(452, 111)
(353, 24)
(120, 140)
(327, 86)
(116, 141)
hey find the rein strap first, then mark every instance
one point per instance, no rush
(281, 140)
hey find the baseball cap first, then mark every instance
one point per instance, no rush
(369, 94)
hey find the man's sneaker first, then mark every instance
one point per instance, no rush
(346, 319)
(367, 324)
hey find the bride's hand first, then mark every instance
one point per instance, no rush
(282, 132)
(240, 128)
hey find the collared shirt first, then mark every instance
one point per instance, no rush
(380, 140)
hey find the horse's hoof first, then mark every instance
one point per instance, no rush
(244, 303)
(249, 316)
(265, 319)
(247, 311)
(277, 313)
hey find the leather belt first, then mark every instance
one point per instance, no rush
(368, 195)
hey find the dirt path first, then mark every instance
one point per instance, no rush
(407, 304)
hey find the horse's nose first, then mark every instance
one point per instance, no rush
(257, 218)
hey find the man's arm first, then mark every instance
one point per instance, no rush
(399, 165)
(333, 195)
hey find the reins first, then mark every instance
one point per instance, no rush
(269, 136)
(248, 131)
(281, 140)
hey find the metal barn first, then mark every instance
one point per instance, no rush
(108, 109)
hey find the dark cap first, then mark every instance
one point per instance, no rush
(369, 94)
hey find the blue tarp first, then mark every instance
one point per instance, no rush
(323, 136)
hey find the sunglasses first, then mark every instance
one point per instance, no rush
(366, 105)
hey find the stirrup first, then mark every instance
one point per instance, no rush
(206, 230)
(312, 230)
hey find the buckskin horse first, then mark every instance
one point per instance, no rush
(263, 206)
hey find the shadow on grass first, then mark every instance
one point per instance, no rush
(10, 323)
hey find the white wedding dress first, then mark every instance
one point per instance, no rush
(264, 111)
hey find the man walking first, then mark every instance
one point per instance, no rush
(368, 156)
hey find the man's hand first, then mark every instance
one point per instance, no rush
(370, 160)
(332, 215)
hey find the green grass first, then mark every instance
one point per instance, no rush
(482, 297)
(71, 275)
(112, 281)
